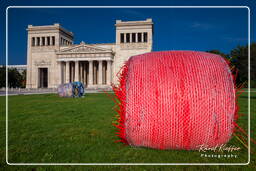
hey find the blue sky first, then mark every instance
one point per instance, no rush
(174, 29)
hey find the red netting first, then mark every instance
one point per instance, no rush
(176, 100)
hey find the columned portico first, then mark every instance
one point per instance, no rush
(87, 72)
(87, 64)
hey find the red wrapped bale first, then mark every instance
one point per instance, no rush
(176, 100)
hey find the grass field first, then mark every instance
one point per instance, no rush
(49, 129)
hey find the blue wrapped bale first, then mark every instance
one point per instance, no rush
(74, 89)
(78, 89)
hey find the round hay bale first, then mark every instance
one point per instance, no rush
(74, 89)
(65, 90)
(176, 100)
(78, 89)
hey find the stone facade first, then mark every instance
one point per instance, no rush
(53, 58)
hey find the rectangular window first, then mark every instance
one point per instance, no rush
(139, 37)
(38, 41)
(122, 38)
(33, 41)
(133, 37)
(43, 41)
(127, 37)
(145, 34)
(53, 40)
(48, 41)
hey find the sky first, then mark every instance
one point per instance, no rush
(174, 28)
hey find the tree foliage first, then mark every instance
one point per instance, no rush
(2, 77)
(239, 58)
(15, 79)
(219, 53)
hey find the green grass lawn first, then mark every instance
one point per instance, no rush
(50, 129)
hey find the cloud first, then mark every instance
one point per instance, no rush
(235, 39)
(203, 26)
(133, 13)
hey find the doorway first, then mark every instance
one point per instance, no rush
(43, 77)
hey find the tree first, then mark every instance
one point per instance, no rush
(253, 64)
(2, 76)
(14, 78)
(239, 57)
(23, 81)
(219, 53)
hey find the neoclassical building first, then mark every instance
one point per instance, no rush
(53, 58)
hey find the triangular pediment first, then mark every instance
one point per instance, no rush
(84, 48)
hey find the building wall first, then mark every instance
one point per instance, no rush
(45, 56)
(125, 50)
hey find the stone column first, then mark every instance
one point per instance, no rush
(100, 73)
(136, 37)
(38, 41)
(67, 72)
(90, 74)
(104, 73)
(50, 40)
(61, 72)
(125, 38)
(72, 73)
(64, 72)
(109, 73)
(76, 71)
(94, 68)
(142, 37)
(80, 72)
(85, 73)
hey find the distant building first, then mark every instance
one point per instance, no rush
(20, 68)
(53, 58)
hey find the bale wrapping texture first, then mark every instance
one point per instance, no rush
(176, 100)
(65, 90)
(74, 89)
